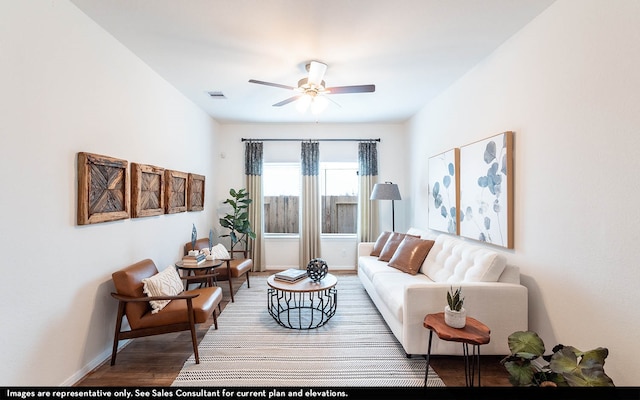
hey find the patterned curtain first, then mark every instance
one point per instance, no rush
(253, 172)
(310, 221)
(368, 177)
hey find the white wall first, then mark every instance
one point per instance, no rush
(67, 86)
(339, 253)
(567, 84)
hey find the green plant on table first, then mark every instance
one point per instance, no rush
(566, 366)
(455, 299)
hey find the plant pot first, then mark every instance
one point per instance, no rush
(455, 319)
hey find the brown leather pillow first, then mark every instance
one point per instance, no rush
(379, 244)
(390, 247)
(410, 254)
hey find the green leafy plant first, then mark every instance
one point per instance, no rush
(238, 222)
(455, 299)
(566, 366)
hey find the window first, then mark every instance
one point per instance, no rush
(338, 188)
(281, 186)
(339, 191)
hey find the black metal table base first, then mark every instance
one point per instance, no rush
(471, 363)
(302, 310)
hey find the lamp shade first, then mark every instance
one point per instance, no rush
(385, 191)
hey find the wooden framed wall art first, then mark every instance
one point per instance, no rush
(195, 193)
(147, 190)
(486, 190)
(175, 191)
(444, 186)
(103, 189)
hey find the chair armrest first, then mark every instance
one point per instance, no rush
(148, 298)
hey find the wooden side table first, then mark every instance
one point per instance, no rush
(474, 333)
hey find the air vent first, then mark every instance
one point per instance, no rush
(217, 95)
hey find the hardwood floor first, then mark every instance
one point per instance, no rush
(157, 360)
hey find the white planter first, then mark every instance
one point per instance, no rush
(455, 319)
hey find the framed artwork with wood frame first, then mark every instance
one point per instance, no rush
(486, 190)
(147, 190)
(175, 199)
(195, 193)
(103, 189)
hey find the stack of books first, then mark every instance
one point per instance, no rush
(191, 261)
(291, 275)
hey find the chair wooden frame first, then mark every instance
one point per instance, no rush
(190, 325)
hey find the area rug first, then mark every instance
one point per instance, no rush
(354, 349)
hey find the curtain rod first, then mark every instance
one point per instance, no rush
(314, 140)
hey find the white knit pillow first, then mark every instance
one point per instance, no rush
(219, 252)
(165, 283)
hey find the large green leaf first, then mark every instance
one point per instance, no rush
(526, 344)
(581, 368)
(521, 372)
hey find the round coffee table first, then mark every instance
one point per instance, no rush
(303, 304)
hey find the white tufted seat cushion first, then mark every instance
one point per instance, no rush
(452, 260)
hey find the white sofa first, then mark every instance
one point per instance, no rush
(491, 289)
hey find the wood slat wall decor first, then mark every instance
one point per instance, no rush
(103, 189)
(195, 196)
(175, 191)
(147, 190)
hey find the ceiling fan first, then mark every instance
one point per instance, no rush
(311, 91)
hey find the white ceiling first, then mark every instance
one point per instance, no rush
(410, 49)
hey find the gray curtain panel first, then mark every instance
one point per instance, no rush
(310, 221)
(253, 173)
(367, 177)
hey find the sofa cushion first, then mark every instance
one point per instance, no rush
(453, 260)
(410, 254)
(164, 283)
(391, 289)
(379, 244)
(370, 266)
(390, 247)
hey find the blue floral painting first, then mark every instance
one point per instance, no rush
(486, 190)
(443, 192)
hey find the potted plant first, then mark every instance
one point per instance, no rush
(238, 221)
(455, 314)
(566, 366)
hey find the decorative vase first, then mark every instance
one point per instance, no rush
(455, 319)
(317, 269)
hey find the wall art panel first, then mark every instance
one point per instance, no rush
(195, 196)
(103, 189)
(486, 190)
(147, 190)
(444, 186)
(175, 191)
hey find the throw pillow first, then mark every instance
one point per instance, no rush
(379, 244)
(165, 283)
(220, 252)
(410, 254)
(390, 247)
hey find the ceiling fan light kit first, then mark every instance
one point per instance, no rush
(312, 89)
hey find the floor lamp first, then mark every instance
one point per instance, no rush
(387, 191)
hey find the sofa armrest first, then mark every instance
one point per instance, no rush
(365, 248)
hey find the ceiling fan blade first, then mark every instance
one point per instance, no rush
(287, 101)
(272, 84)
(316, 73)
(352, 89)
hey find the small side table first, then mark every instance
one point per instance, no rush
(474, 333)
(206, 268)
